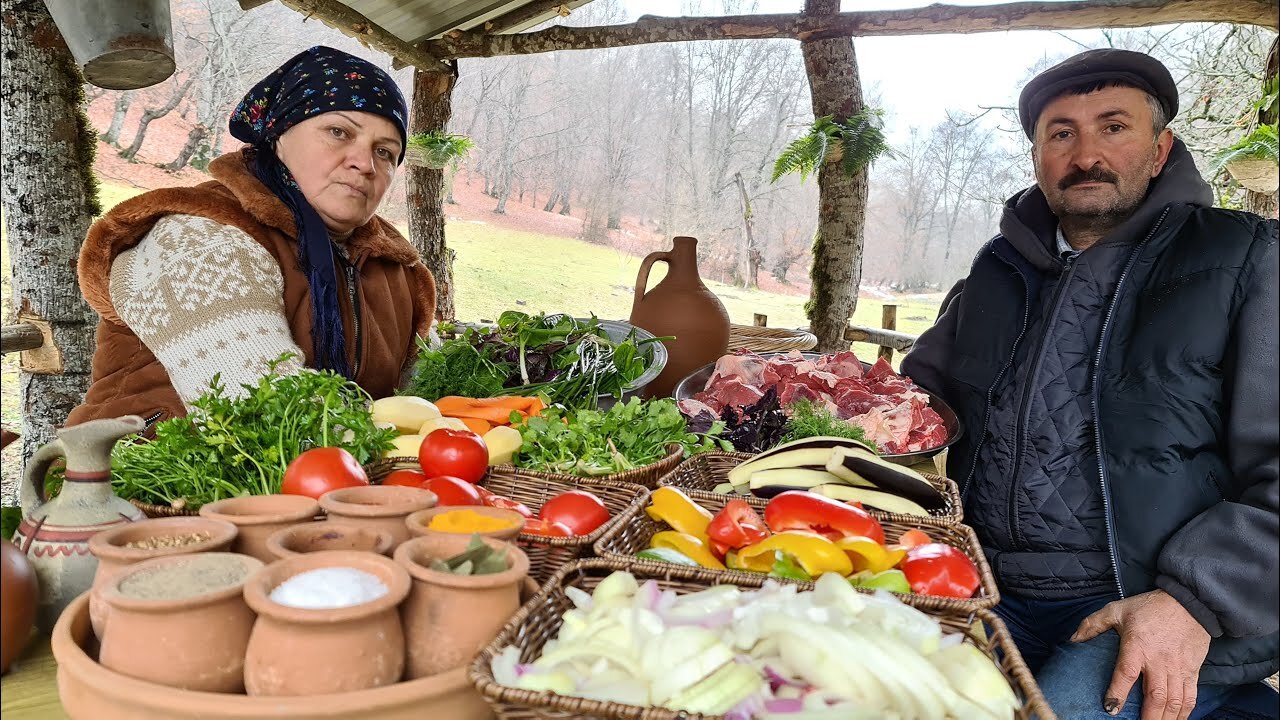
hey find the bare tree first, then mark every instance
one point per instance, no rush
(151, 114)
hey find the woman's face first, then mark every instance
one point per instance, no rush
(343, 162)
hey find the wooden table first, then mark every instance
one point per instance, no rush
(29, 691)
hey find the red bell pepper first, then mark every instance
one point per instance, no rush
(941, 570)
(800, 510)
(543, 528)
(736, 526)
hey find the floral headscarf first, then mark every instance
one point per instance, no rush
(316, 81)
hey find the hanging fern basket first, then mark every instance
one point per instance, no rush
(436, 159)
(1258, 175)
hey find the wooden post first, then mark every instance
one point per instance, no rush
(888, 321)
(760, 320)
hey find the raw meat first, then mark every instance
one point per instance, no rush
(892, 411)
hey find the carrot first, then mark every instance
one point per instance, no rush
(495, 410)
(477, 426)
(495, 416)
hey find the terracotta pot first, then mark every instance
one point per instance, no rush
(193, 642)
(297, 651)
(680, 306)
(448, 619)
(19, 596)
(258, 516)
(325, 536)
(381, 507)
(54, 534)
(419, 522)
(109, 546)
(89, 691)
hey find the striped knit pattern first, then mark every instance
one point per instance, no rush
(208, 300)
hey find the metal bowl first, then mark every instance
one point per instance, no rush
(696, 381)
(655, 354)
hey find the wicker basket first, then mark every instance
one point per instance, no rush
(546, 555)
(540, 618)
(632, 533)
(767, 339)
(707, 470)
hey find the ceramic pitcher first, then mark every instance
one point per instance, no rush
(680, 306)
(54, 534)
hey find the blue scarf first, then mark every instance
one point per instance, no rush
(314, 82)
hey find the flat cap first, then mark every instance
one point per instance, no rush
(1108, 64)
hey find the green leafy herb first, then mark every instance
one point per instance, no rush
(10, 518)
(241, 445)
(627, 436)
(478, 559)
(809, 420)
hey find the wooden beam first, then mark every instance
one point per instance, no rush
(251, 4)
(370, 34)
(899, 341)
(16, 338)
(931, 20)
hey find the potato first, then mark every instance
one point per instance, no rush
(440, 423)
(503, 441)
(406, 412)
(405, 446)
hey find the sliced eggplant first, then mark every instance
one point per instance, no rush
(724, 488)
(882, 501)
(848, 463)
(792, 478)
(813, 451)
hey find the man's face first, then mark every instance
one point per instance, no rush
(1095, 154)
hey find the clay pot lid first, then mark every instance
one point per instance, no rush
(113, 596)
(262, 509)
(257, 591)
(419, 522)
(377, 501)
(73, 633)
(284, 543)
(415, 555)
(111, 544)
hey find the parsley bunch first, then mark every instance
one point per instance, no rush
(231, 446)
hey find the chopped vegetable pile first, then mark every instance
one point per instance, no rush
(827, 654)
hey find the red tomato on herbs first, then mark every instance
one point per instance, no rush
(319, 470)
(941, 570)
(578, 510)
(453, 491)
(459, 453)
(405, 478)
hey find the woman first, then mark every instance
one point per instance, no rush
(280, 253)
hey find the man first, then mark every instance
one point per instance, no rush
(1112, 355)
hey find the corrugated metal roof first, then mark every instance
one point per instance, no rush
(416, 20)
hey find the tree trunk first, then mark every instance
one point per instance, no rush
(49, 196)
(836, 90)
(551, 201)
(750, 256)
(112, 135)
(194, 138)
(1265, 204)
(155, 114)
(432, 106)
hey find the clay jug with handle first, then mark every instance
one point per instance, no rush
(54, 534)
(680, 306)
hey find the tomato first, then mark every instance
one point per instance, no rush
(579, 510)
(459, 453)
(505, 503)
(405, 478)
(736, 526)
(546, 529)
(938, 569)
(453, 491)
(913, 538)
(319, 470)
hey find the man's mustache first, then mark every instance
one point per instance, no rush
(1093, 174)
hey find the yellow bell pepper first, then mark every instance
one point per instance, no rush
(688, 545)
(673, 507)
(867, 554)
(816, 554)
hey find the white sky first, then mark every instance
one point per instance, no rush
(920, 77)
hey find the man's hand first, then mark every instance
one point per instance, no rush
(1160, 641)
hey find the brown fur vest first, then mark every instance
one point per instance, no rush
(396, 292)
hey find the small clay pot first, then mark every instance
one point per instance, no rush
(419, 523)
(185, 638)
(298, 651)
(258, 516)
(110, 547)
(448, 618)
(382, 507)
(325, 536)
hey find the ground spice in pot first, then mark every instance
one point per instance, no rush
(159, 542)
(194, 576)
(468, 521)
(329, 588)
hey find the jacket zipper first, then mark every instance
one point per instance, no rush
(1097, 424)
(986, 414)
(1024, 407)
(353, 294)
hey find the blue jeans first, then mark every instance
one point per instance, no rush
(1074, 677)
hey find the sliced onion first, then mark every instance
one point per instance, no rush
(789, 705)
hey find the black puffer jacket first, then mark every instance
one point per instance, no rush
(1167, 336)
